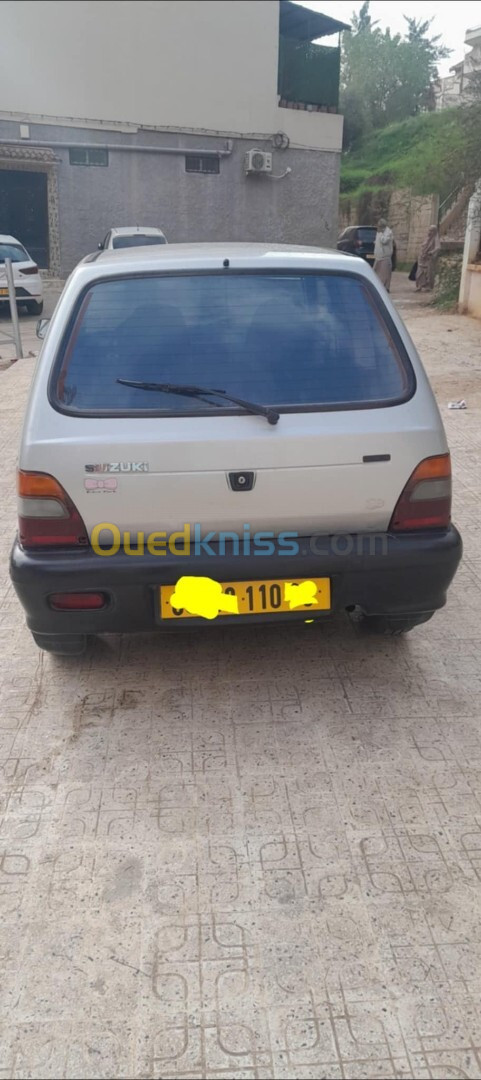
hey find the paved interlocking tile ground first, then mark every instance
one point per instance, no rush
(254, 854)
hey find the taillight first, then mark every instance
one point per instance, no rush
(77, 601)
(46, 514)
(29, 269)
(425, 502)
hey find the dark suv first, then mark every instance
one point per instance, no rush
(359, 240)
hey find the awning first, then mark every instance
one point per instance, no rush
(305, 25)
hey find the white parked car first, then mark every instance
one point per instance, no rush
(26, 276)
(132, 236)
(229, 433)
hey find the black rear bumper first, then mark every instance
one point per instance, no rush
(379, 574)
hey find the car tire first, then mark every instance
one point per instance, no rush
(388, 625)
(61, 644)
(34, 307)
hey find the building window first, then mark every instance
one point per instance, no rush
(199, 163)
(89, 156)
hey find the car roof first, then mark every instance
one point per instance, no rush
(131, 230)
(10, 240)
(180, 257)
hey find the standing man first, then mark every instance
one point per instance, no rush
(383, 251)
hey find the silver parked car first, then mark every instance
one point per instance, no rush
(229, 433)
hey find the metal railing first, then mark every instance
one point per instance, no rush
(449, 201)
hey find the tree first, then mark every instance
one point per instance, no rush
(386, 78)
(430, 50)
(418, 35)
(363, 21)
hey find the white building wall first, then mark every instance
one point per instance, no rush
(206, 65)
(454, 89)
(470, 289)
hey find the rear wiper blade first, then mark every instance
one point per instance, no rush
(201, 391)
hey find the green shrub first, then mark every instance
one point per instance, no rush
(448, 280)
(409, 154)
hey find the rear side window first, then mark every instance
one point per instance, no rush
(367, 235)
(298, 341)
(15, 252)
(137, 240)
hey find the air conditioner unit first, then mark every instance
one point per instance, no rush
(258, 161)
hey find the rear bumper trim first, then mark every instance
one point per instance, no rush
(405, 574)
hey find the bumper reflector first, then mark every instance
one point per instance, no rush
(77, 601)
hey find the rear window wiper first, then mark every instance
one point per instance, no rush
(201, 391)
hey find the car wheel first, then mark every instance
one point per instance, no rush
(61, 644)
(34, 307)
(388, 625)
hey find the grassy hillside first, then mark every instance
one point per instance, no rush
(419, 153)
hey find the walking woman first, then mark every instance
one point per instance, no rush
(427, 260)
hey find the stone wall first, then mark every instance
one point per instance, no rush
(408, 215)
(454, 221)
(423, 213)
(399, 218)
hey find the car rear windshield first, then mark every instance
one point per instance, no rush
(292, 340)
(15, 252)
(137, 240)
(367, 235)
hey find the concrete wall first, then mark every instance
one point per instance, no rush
(408, 215)
(471, 292)
(190, 64)
(154, 189)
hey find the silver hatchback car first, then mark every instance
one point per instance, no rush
(222, 434)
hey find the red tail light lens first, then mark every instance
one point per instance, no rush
(47, 517)
(29, 270)
(425, 502)
(77, 601)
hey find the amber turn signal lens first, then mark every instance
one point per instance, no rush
(432, 468)
(35, 484)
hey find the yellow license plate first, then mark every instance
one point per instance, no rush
(3, 292)
(202, 597)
